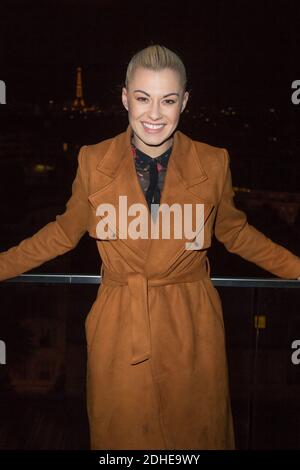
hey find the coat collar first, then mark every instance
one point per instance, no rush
(183, 145)
(116, 175)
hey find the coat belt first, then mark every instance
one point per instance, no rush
(138, 285)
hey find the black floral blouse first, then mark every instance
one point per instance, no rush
(151, 173)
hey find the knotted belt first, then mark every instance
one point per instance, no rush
(138, 287)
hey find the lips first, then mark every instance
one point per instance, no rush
(152, 128)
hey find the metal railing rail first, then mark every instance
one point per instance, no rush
(96, 279)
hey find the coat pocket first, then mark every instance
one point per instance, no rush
(93, 318)
(215, 300)
(203, 237)
(94, 228)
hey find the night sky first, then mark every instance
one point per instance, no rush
(235, 52)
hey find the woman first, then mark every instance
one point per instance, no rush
(157, 370)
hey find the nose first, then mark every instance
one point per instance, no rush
(154, 111)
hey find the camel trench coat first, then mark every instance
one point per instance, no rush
(157, 373)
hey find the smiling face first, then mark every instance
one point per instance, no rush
(154, 101)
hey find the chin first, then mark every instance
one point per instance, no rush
(155, 140)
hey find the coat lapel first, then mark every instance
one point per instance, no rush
(116, 175)
(183, 185)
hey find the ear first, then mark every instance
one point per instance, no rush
(184, 101)
(124, 98)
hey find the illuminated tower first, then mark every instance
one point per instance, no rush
(78, 102)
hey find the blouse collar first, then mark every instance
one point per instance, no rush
(143, 159)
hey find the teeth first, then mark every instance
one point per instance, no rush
(153, 126)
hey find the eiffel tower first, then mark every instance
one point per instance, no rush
(78, 103)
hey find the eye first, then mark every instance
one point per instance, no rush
(142, 99)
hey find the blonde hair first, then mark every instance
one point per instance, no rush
(156, 57)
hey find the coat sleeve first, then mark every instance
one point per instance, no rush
(55, 238)
(239, 237)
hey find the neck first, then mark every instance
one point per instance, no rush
(152, 150)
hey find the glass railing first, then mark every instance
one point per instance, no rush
(43, 355)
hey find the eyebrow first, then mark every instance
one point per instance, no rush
(165, 96)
